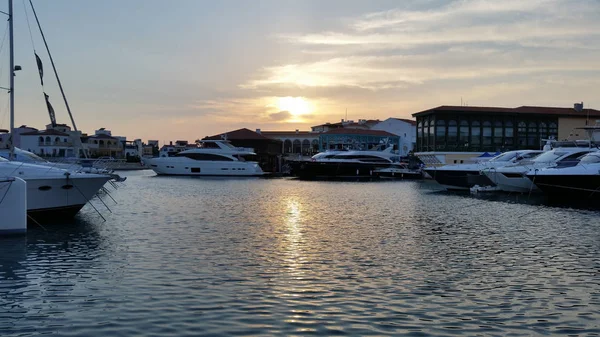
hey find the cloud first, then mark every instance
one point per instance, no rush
(400, 49)
(281, 115)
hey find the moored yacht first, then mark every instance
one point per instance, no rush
(210, 158)
(465, 176)
(581, 181)
(513, 178)
(345, 164)
(54, 194)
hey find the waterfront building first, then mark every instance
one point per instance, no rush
(405, 129)
(497, 129)
(103, 144)
(5, 134)
(300, 142)
(356, 139)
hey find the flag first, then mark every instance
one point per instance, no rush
(50, 110)
(41, 70)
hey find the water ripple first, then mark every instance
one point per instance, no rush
(189, 257)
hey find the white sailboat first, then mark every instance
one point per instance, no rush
(53, 194)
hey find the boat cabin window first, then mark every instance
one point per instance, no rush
(362, 158)
(590, 158)
(549, 156)
(204, 156)
(247, 157)
(214, 145)
(574, 158)
(508, 156)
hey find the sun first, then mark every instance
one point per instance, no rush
(296, 106)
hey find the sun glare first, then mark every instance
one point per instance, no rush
(295, 105)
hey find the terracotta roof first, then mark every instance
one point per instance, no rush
(48, 132)
(409, 121)
(359, 132)
(519, 110)
(240, 134)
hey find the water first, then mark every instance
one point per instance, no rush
(189, 257)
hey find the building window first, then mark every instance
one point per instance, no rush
(297, 146)
(498, 133)
(508, 133)
(522, 134)
(475, 133)
(553, 130)
(463, 132)
(543, 130)
(487, 133)
(532, 134)
(287, 146)
(420, 133)
(440, 132)
(452, 132)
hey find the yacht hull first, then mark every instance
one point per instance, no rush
(183, 167)
(561, 186)
(335, 170)
(459, 179)
(511, 181)
(51, 200)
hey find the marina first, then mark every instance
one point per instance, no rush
(299, 168)
(246, 256)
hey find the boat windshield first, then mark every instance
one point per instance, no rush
(508, 156)
(29, 157)
(590, 158)
(550, 156)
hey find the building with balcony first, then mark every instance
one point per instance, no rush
(48, 143)
(103, 144)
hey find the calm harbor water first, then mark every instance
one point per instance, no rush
(221, 257)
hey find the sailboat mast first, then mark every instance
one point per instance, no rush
(12, 78)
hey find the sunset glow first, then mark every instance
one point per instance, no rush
(296, 106)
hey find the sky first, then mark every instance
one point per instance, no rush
(187, 69)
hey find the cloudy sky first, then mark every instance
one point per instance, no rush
(186, 69)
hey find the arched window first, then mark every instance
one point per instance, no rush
(48, 140)
(57, 140)
(487, 133)
(287, 146)
(297, 146)
(452, 132)
(41, 139)
(440, 130)
(497, 133)
(306, 146)
(508, 133)
(475, 133)
(315, 145)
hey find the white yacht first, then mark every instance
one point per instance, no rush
(513, 178)
(580, 182)
(465, 176)
(210, 158)
(52, 193)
